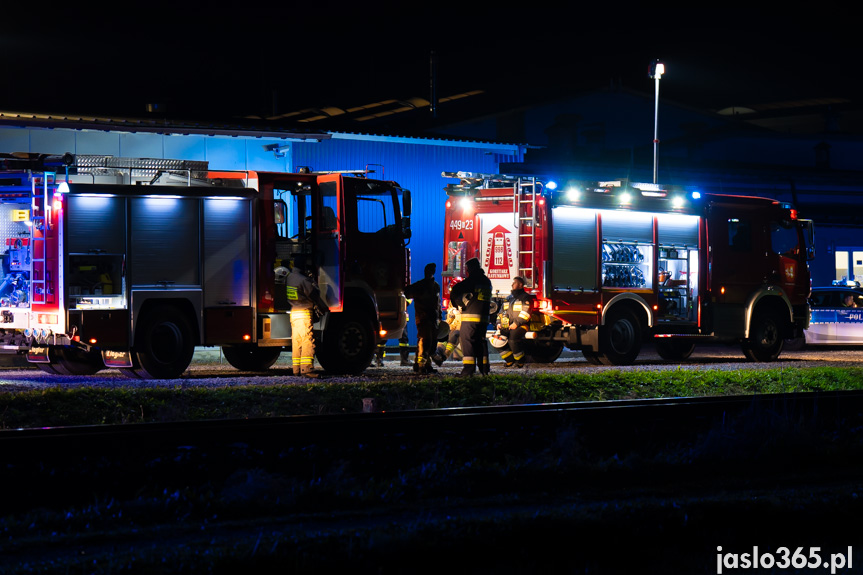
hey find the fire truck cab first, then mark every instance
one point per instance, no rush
(614, 264)
(130, 263)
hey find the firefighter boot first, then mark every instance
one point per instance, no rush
(468, 368)
(438, 358)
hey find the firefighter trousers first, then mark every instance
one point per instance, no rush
(302, 341)
(515, 353)
(474, 347)
(451, 347)
(426, 342)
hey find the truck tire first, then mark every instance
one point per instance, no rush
(251, 357)
(765, 338)
(348, 345)
(163, 344)
(72, 361)
(674, 349)
(546, 352)
(47, 368)
(620, 338)
(591, 357)
(794, 344)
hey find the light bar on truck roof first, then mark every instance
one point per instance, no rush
(650, 190)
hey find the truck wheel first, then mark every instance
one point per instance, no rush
(47, 368)
(592, 357)
(794, 344)
(765, 338)
(71, 361)
(546, 352)
(251, 357)
(348, 346)
(674, 349)
(163, 344)
(620, 339)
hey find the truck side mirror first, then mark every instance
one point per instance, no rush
(406, 203)
(279, 212)
(406, 226)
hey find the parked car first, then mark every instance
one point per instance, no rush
(836, 317)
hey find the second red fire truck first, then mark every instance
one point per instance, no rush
(614, 264)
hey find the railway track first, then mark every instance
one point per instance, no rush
(605, 469)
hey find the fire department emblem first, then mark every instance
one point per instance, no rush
(498, 253)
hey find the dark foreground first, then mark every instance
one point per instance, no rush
(601, 491)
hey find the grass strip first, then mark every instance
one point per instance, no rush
(59, 406)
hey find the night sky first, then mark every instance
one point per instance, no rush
(197, 62)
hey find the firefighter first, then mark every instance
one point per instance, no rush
(305, 300)
(514, 322)
(426, 296)
(452, 346)
(473, 296)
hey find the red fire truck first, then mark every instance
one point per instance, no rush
(614, 264)
(131, 263)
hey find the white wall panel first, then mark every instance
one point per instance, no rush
(52, 141)
(97, 143)
(226, 153)
(14, 140)
(185, 147)
(140, 145)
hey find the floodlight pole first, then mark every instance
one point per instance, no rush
(657, 69)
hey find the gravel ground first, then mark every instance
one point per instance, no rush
(209, 369)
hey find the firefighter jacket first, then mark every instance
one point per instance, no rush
(516, 310)
(473, 296)
(303, 292)
(426, 296)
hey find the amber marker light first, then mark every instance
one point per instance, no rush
(247, 337)
(93, 341)
(382, 332)
(722, 290)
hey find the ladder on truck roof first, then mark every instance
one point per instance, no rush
(525, 192)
